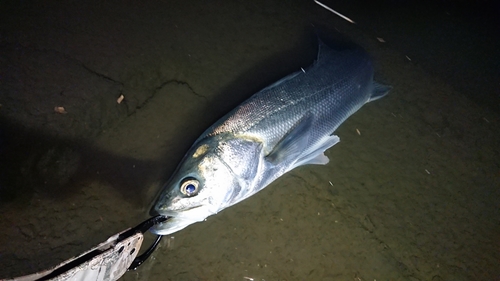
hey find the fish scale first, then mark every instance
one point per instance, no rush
(257, 115)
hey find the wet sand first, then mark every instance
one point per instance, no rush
(413, 196)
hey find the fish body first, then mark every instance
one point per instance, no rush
(285, 125)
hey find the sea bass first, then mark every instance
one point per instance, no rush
(285, 125)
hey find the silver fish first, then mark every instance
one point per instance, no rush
(287, 124)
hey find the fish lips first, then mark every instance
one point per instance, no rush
(178, 220)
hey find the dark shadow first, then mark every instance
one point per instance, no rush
(33, 161)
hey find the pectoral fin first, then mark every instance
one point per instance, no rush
(315, 155)
(295, 147)
(293, 144)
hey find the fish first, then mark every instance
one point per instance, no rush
(288, 124)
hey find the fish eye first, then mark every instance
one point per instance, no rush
(189, 187)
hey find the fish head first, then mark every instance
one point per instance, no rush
(207, 181)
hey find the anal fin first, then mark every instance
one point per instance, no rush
(379, 91)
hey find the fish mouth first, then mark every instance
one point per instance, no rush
(170, 226)
(178, 220)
